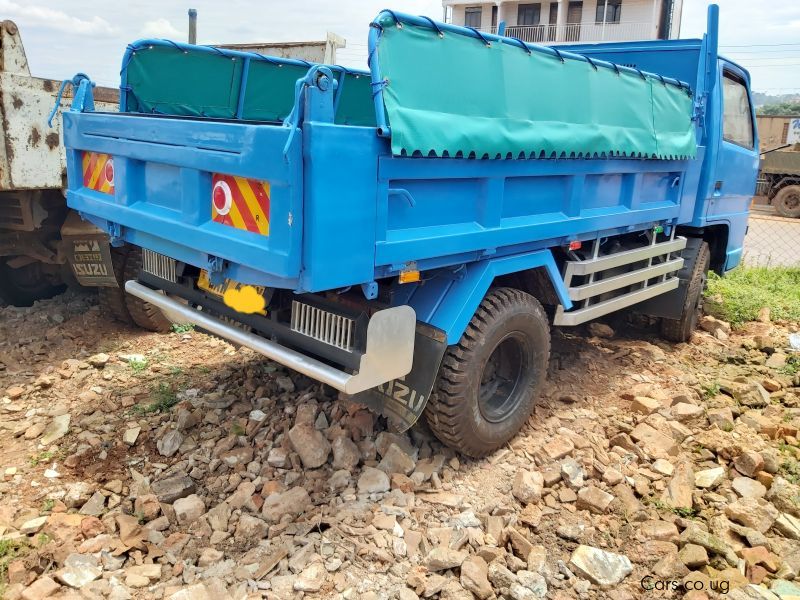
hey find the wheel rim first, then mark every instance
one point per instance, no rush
(500, 389)
(792, 201)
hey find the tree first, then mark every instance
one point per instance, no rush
(782, 109)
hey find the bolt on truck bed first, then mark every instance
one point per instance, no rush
(367, 228)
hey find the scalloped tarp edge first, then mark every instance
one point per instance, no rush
(453, 95)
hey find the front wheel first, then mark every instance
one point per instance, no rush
(787, 202)
(489, 381)
(680, 329)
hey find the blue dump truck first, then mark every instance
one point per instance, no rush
(410, 234)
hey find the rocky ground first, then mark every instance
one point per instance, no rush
(176, 466)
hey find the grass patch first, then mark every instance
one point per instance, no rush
(739, 295)
(163, 398)
(138, 366)
(686, 513)
(182, 328)
(790, 469)
(9, 550)
(792, 366)
(42, 457)
(710, 390)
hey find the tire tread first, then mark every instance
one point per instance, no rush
(145, 315)
(445, 408)
(680, 330)
(112, 300)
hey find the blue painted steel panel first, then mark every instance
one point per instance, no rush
(448, 300)
(339, 205)
(731, 189)
(459, 205)
(163, 173)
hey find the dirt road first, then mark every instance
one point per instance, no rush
(177, 466)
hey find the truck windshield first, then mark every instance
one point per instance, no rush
(737, 124)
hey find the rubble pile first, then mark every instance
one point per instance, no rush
(179, 467)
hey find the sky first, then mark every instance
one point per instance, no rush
(62, 37)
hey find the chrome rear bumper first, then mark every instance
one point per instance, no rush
(389, 350)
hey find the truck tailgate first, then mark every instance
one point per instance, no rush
(193, 189)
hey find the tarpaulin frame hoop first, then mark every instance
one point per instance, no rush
(482, 37)
(468, 31)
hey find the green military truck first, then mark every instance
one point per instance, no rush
(780, 174)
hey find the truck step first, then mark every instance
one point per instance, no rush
(655, 261)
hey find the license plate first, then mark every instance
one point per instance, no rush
(204, 283)
(229, 285)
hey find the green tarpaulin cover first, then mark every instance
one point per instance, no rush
(454, 95)
(165, 79)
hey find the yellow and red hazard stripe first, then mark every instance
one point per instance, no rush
(241, 203)
(98, 172)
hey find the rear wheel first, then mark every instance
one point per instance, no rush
(112, 299)
(787, 202)
(680, 329)
(488, 383)
(143, 314)
(26, 285)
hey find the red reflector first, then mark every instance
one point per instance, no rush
(110, 171)
(222, 197)
(575, 245)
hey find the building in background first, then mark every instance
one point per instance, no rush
(323, 51)
(570, 21)
(775, 131)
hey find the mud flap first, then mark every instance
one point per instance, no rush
(402, 400)
(88, 252)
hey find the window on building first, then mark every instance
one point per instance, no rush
(494, 19)
(529, 14)
(553, 13)
(612, 9)
(551, 29)
(575, 16)
(737, 119)
(472, 16)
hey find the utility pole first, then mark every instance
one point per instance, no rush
(192, 26)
